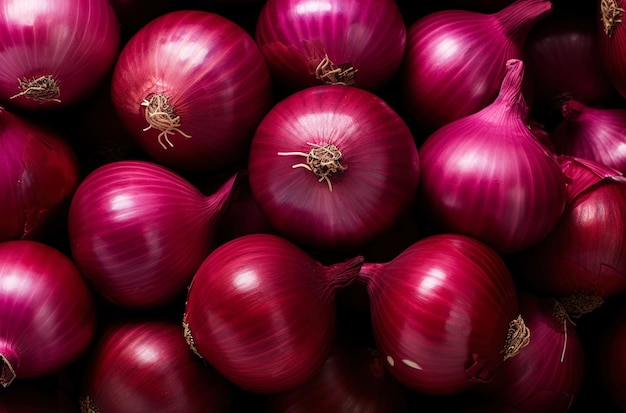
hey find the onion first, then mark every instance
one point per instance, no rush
(48, 315)
(262, 312)
(55, 53)
(39, 174)
(146, 366)
(444, 313)
(138, 231)
(455, 59)
(191, 87)
(333, 167)
(486, 175)
(593, 133)
(583, 260)
(612, 42)
(339, 42)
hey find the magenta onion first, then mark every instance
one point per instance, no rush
(48, 314)
(547, 376)
(39, 175)
(332, 167)
(54, 53)
(487, 176)
(339, 42)
(146, 366)
(612, 42)
(191, 87)
(594, 133)
(444, 313)
(584, 257)
(262, 312)
(138, 231)
(455, 59)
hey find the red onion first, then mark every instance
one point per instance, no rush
(456, 59)
(261, 311)
(48, 315)
(584, 257)
(138, 231)
(486, 175)
(39, 176)
(612, 42)
(547, 376)
(593, 133)
(54, 53)
(146, 366)
(333, 167)
(191, 87)
(340, 42)
(444, 313)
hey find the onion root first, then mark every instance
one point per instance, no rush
(330, 74)
(189, 339)
(517, 337)
(42, 89)
(322, 160)
(160, 115)
(611, 16)
(87, 405)
(7, 374)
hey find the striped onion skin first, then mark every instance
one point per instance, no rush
(295, 35)
(440, 312)
(138, 231)
(75, 42)
(214, 78)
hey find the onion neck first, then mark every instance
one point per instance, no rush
(572, 109)
(518, 18)
(341, 275)
(510, 96)
(8, 359)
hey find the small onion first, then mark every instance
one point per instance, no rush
(612, 41)
(486, 175)
(444, 313)
(333, 167)
(48, 315)
(138, 231)
(262, 312)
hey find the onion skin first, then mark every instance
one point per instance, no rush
(214, 77)
(446, 75)
(41, 38)
(139, 231)
(146, 366)
(486, 175)
(612, 42)
(261, 311)
(440, 313)
(296, 35)
(377, 149)
(48, 316)
(40, 173)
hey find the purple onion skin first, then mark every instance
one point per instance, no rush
(40, 173)
(369, 35)
(146, 366)
(261, 311)
(213, 75)
(48, 316)
(40, 38)
(139, 231)
(440, 313)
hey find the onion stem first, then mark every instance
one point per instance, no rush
(160, 115)
(517, 338)
(611, 16)
(330, 74)
(42, 89)
(7, 374)
(322, 160)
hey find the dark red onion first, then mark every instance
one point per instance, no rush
(612, 41)
(486, 175)
(138, 231)
(48, 315)
(262, 312)
(39, 175)
(54, 53)
(191, 87)
(146, 366)
(455, 59)
(371, 172)
(340, 42)
(444, 313)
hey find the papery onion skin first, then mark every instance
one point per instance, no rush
(48, 316)
(440, 313)
(75, 42)
(296, 35)
(446, 74)
(486, 175)
(378, 153)
(612, 42)
(40, 173)
(261, 311)
(214, 78)
(145, 365)
(138, 231)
